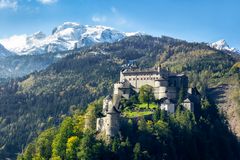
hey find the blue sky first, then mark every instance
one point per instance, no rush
(192, 20)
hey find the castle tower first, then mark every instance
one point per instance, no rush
(161, 88)
(159, 68)
(107, 101)
(188, 104)
(112, 125)
(121, 76)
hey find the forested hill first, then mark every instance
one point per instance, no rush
(42, 99)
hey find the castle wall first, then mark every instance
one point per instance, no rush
(116, 90)
(112, 125)
(164, 85)
(162, 88)
(100, 124)
(160, 92)
(172, 93)
(121, 89)
(138, 80)
(109, 125)
(189, 106)
(169, 107)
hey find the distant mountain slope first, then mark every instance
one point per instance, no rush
(67, 36)
(41, 99)
(17, 66)
(4, 52)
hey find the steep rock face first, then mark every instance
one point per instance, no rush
(222, 97)
(64, 37)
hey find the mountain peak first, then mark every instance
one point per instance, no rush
(223, 46)
(37, 35)
(66, 25)
(66, 36)
(220, 44)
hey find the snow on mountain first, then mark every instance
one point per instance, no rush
(222, 45)
(128, 34)
(4, 52)
(68, 36)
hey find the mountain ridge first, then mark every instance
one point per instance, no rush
(4, 52)
(223, 46)
(68, 36)
(72, 35)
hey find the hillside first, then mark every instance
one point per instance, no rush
(15, 66)
(161, 136)
(42, 99)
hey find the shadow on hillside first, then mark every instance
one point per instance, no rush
(217, 94)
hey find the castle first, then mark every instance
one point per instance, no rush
(166, 87)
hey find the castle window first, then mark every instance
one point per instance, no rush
(137, 78)
(133, 78)
(130, 79)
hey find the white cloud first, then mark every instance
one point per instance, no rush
(8, 4)
(99, 19)
(47, 1)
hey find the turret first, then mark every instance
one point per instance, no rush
(112, 122)
(106, 102)
(121, 76)
(159, 68)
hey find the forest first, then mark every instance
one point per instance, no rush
(162, 136)
(42, 100)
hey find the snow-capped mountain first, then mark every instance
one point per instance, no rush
(222, 45)
(4, 52)
(68, 36)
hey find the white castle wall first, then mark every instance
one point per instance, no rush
(112, 124)
(109, 124)
(189, 106)
(137, 81)
(159, 84)
(163, 86)
(169, 107)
